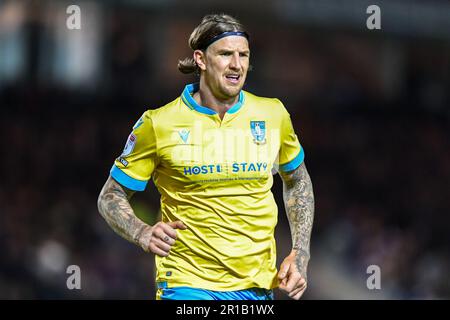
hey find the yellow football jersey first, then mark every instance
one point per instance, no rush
(215, 175)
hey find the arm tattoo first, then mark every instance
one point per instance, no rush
(299, 202)
(113, 204)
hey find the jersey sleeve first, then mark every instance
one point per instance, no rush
(291, 154)
(134, 167)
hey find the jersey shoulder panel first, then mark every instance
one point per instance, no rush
(170, 107)
(165, 115)
(272, 105)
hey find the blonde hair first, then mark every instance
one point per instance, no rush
(212, 25)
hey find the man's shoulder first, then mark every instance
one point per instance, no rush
(272, 104)
(167, 110)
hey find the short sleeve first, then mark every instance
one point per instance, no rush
(134, 167)
(291, 154)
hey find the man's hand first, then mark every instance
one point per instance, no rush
(292, 281)
(160, 238)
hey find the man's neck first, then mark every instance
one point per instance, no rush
(206, 98)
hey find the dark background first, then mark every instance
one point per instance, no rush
(371, 109)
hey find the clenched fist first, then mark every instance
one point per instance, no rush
(293, 281)
(160, 238)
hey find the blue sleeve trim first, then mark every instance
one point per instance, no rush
(295, 163)
(126, 180)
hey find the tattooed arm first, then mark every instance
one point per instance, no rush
(299, 202)
(114, 206)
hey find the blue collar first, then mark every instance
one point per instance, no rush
(187, 98)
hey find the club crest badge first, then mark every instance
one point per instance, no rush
(129, 146)
(258, 129)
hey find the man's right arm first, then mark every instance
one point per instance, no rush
(114, 206)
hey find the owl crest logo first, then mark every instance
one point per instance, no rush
(258, 129)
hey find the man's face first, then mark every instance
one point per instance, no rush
(226, 63)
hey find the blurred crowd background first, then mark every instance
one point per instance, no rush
(371, 108)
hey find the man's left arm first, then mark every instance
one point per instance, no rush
(299, 203)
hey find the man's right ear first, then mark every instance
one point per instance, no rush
(199, 59)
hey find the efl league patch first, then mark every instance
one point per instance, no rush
(258, 129)
(123, 161)
(129, 146)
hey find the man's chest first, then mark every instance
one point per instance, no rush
(244, 149)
